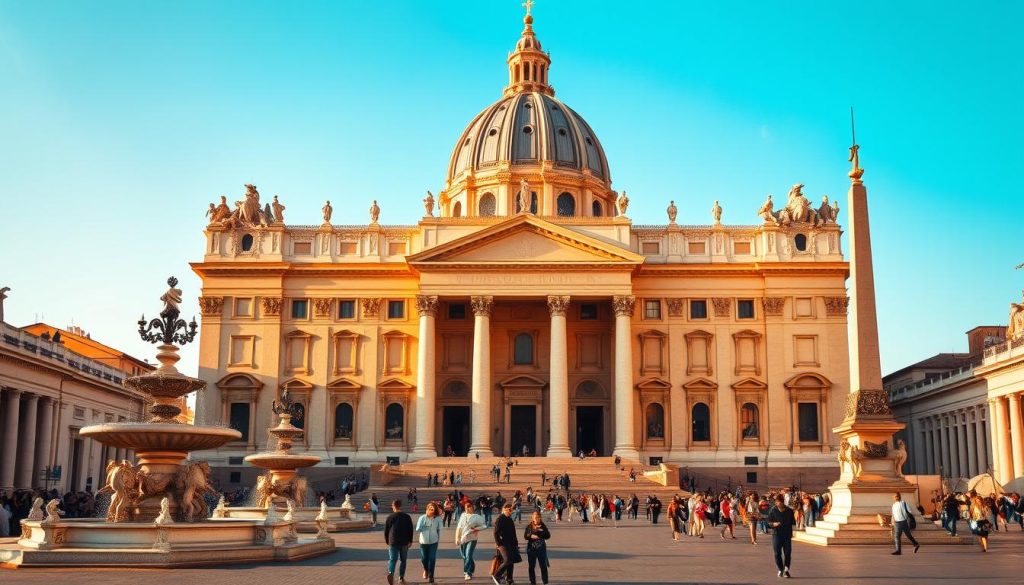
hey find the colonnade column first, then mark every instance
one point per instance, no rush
(1001, 431)
(27, 453)
(481, 411)
(45, 430)
(946, 459)
(1017, 436)
(425, 378)
(972, 443)
(961, 443)
(558, 394)
(625, 445)
(10, 446)
(981, 440)
(926, 466)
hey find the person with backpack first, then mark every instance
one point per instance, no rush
(903, 522)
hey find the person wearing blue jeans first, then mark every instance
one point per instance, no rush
(466, 532)
(398, 532)
(429, 529)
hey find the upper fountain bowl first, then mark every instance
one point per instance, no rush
(160, 436)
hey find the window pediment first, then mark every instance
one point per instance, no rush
(293, 384)
(749, 385)
(698, 384)
(344, 384)
(658, 384)
(239, 382)
(522, 381)
(808, 381)
(396, 384)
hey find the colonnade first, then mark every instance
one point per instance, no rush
(558, 388)
(1007, 436)
(954, 442)
(28, 423)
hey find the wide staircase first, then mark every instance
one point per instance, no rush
(590, 475)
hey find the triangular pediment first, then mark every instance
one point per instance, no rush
(344, 384)
(395, 384)
(296, 384)
(750, 384)
(522, 381)
(526, 239)
(700, 384)
(654, 384)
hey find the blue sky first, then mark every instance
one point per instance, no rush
(121, 121)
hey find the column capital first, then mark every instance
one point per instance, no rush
(558, 305)
(1013, 398)
(427, 305)
(13, 393)
(623, 305)
(482, 305)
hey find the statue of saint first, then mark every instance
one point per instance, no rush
(835, 210)
(622, 203)
(267, 215)
(716, 212)
(374, 212)
(525, 198)
(278, 211)
(672, 211)
(767, 211)
(1016, 325)
(428, 204)
(223, 211)
(211, 213)
(249, 209)
(825, 211)
(328, 210)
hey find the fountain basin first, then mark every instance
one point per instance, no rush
(160, 436)
(338, 519)
(95, 543)
(281, 461)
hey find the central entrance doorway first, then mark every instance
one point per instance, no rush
(590, 429)
(455, 430)
(524, 429)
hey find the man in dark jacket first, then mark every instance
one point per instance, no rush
(782, 519)
(508, 545)
(398, 533)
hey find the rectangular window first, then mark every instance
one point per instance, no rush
(236, 460)
(698, 309)
(652, 309)
(745, 309)
(302, 248)
(741, 248)
(341, 460)
(696, 248)
(347, 309)
(588, 311)
(396, 248)
(396, 309)
(650, 248)
(456, 311)
(808, 422)
(238, 419)
(751, 477)
(750, 460)
(348, 248)
(300, 308)
(243, 307)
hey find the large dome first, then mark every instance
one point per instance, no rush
(528, 128)
(528, 137)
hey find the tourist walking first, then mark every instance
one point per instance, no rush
(449, 510)
(728, 517)
(536, 536)
(374, 504)
(782, 519)
(753, 516)
(951, 513)
(673, 517)
(978, 522)
(655, 509)
(467, 530)
(902, 522)
(507, 544)
(429, 529)
(398, 531)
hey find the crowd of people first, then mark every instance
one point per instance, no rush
(984, 515)
(15, 506)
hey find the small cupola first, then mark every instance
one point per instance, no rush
(528, 65)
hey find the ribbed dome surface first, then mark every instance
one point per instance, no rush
(528, 128)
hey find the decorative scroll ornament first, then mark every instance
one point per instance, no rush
(558, 305)
(675, 307)
(166, 329)
(482, 306)
(868, 403)
(211, 306)
(371, 307)
(427, 305)
(271, 306)
(836, 306)
(322, 307)
(624, 305)
(722, 306)
(773, 305)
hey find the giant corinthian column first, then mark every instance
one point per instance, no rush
(558, 392)
(625, 441)
(481, 411)
(426, 387)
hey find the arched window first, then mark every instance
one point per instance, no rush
(595, 208)
(517, 73)
(749, 422)
(343, 421)
(655, 421)
(526, 72)
(523, 350)
(566, 205)
(488, 205)
(394, 422)
(247, 242)
(701, 416)
(533, 203)
(457, 210)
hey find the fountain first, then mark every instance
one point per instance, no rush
(158, 515)
(281, 485)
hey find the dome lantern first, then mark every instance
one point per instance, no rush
(528, 65)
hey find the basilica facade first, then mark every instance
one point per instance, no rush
(527, 313)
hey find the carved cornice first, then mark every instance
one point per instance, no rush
(211, 306)
(836, 306)
(482, 306)
(271, 306)
(322, 307)
(723, 306)
(427, 305)
(773, 305)
(558, 305)
(624, 305)
(675, 307)
(371, 307)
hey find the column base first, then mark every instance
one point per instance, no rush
(627, 453)
(483, 451)
(562, 452)
(419, 453)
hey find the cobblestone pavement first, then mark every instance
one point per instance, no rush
(633, 552)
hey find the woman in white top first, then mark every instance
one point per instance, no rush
(593, 512)
(429, 529)
(466, 532)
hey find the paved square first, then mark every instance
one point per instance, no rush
(633, 552)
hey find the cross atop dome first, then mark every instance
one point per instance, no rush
(528, 65)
